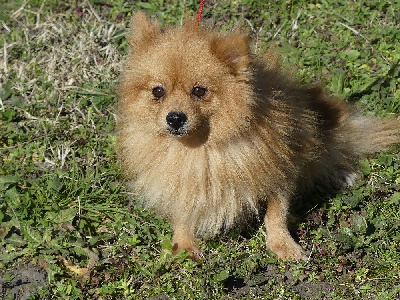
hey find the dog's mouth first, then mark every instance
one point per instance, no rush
(181, 132)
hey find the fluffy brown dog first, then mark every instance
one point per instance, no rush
(209, 134)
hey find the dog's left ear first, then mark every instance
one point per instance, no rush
(232, 50)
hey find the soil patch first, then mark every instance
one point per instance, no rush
(261, 284)
(24, 282)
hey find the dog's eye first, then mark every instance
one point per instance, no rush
(158, 92)
(199, 91)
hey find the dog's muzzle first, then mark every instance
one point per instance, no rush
(176, 121)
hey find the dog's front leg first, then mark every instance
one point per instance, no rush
(279, 239)
(184, 239)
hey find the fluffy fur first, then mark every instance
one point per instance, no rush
(253, 139)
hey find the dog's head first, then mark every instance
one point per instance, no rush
(186, 82)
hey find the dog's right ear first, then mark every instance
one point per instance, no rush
(143, 32)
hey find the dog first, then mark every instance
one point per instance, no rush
(209, 134)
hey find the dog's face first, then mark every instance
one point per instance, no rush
(186, 83)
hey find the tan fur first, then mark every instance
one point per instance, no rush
(253, 140)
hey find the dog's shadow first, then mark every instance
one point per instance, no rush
(301, 211)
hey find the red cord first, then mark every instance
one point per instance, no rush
(199, 13)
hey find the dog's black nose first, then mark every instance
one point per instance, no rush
(176, 119)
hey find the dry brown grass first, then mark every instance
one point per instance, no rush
(62, 53)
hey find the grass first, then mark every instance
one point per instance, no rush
(65, 213)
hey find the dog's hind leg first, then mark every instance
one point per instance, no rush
(279, 239)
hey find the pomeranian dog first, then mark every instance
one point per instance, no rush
(210, 134)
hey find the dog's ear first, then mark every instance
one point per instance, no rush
(143, 32)
(232, 50)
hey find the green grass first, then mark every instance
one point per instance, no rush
(63, 207)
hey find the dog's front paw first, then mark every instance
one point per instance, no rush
(195, 253)
(286, 249)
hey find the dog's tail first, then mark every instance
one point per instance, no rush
(368, 135)
(358, 136)
(348, 128)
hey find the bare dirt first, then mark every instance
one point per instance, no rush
(237, 288)
(25, 280)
